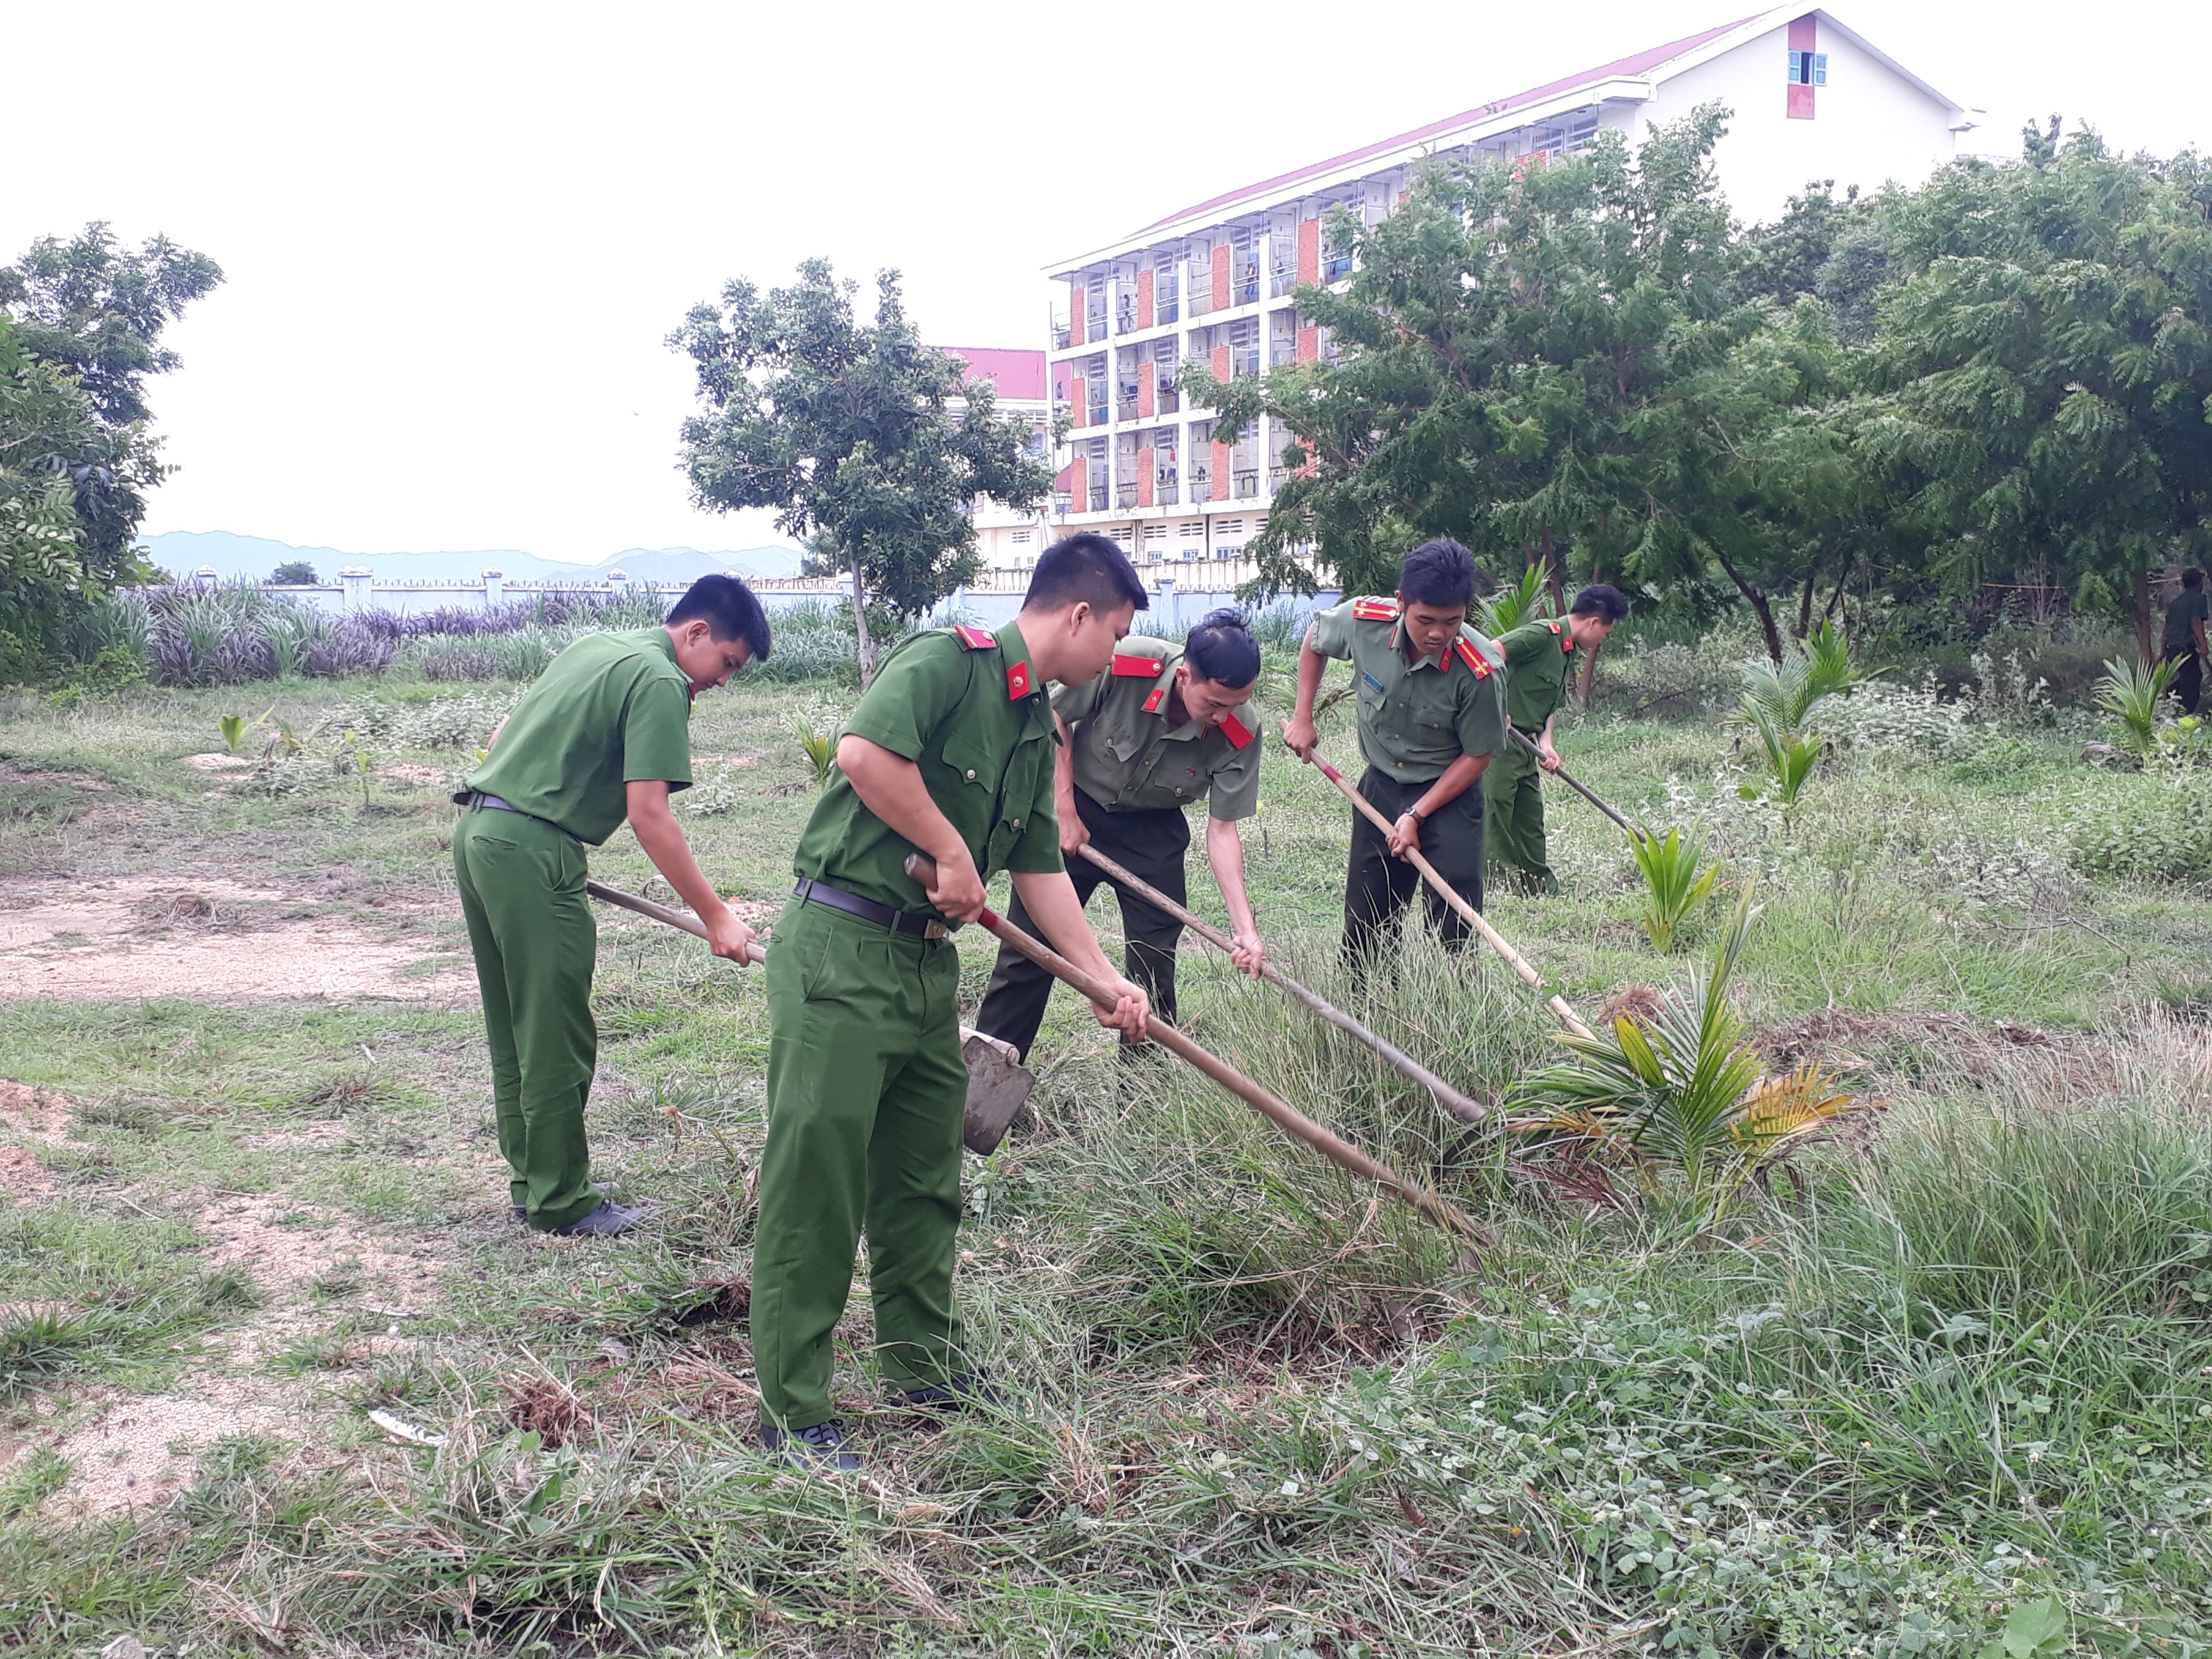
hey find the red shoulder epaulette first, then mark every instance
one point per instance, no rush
(1236, 730)
(1149, 667)
(1473, 659)
(1376, 609)
(974, 638)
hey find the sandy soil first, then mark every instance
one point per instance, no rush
(150, 936)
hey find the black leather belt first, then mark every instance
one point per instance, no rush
(477, 798)
(810, 892)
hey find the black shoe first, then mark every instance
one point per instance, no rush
(960, 1391)
(821, 1447)
(604, 1222)
(602, 1187)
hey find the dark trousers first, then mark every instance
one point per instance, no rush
(1378, 886)
(1150, 844)
(2188, 679)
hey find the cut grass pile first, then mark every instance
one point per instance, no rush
(1953, 1371)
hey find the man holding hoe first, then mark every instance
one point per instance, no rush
(1157, 733)
(1430, 719)
(1540, 660)
(950, 754)
(604, 735)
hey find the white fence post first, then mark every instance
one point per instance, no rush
(494, 589)
(354, 579)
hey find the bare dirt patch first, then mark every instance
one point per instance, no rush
(134, 1452)
(408, 771)
(149, 936)
(221, 762)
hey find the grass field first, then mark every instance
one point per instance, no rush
(1947, 1385)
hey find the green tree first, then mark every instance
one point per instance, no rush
(1546, 362)
(294, 572)
(98, 310)
(2042, 380)
(81, 324)
(863, 440)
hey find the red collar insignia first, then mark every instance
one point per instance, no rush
(1566, 640)
(974, 638)
(1153, 702)
(1236, 730)
(1017, 681)
(1145, 667)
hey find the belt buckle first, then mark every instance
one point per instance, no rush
(934, 929)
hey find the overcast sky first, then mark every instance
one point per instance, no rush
(455, 235)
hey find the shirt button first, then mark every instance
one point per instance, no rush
(971, 775)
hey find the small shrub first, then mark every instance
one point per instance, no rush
(820, 751)
(2130, 693)
(1674, 887)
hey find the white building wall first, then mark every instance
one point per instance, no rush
(1871, 126)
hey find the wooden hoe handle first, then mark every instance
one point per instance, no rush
(1514, 959)
(1277, 1110)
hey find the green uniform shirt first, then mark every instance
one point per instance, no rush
(611, 709)
(965, 708)
(2191, 607)
(1415, 718)
(1127, 758)
(1539, 656)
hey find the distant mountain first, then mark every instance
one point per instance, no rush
(183, 551)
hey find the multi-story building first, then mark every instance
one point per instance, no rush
(1212, 283)
(1006, 539)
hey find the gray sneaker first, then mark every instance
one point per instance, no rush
(604, 1222)
(602, 1187)
(821, 1447)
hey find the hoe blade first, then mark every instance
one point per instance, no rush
(998, 1086)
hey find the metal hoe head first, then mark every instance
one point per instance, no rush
(999, 1087)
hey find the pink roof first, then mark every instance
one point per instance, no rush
(1015, 373)
(1640, 63)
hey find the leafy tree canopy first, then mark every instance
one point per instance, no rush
(99, 310)
(294, 572)
(868, 443)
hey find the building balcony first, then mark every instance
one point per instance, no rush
(1283, 351)
(1336, 267)
(1247, 485)
(1063, 501)
(1125, 320)
(1097, 415)
(1201, 489)
(1125, 495)
(1284, 281)
(1062, 337)
(1277, 477)
(1245, 288)
(1094, 326)
(1165, 310)
(1166, 495)
(1244, 360)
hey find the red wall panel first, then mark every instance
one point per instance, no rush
(1144, 299)
(1220, 362)
(1308, 344)
(1147, 398)
(1309, 251)
(1144, 476)
(1221, 277)
(1077, 399)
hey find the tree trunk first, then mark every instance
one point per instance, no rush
(1555, 562)
(1758, 602)
(860, 626)
(2143, 614)
(1805, 602)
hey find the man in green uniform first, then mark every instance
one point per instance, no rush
(2184, 639)
(1157, 733)
(1540, 660)
(948, 753)
(1430, 719)
(603, 735)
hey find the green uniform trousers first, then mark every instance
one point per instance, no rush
(1513, 820)
(530, 929)
(866, 1090)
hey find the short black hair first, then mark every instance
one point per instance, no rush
(731, 610)
(2192, 579)
(1222, 649)
(1439, 573)
(1085, 568)
(1599, 599)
